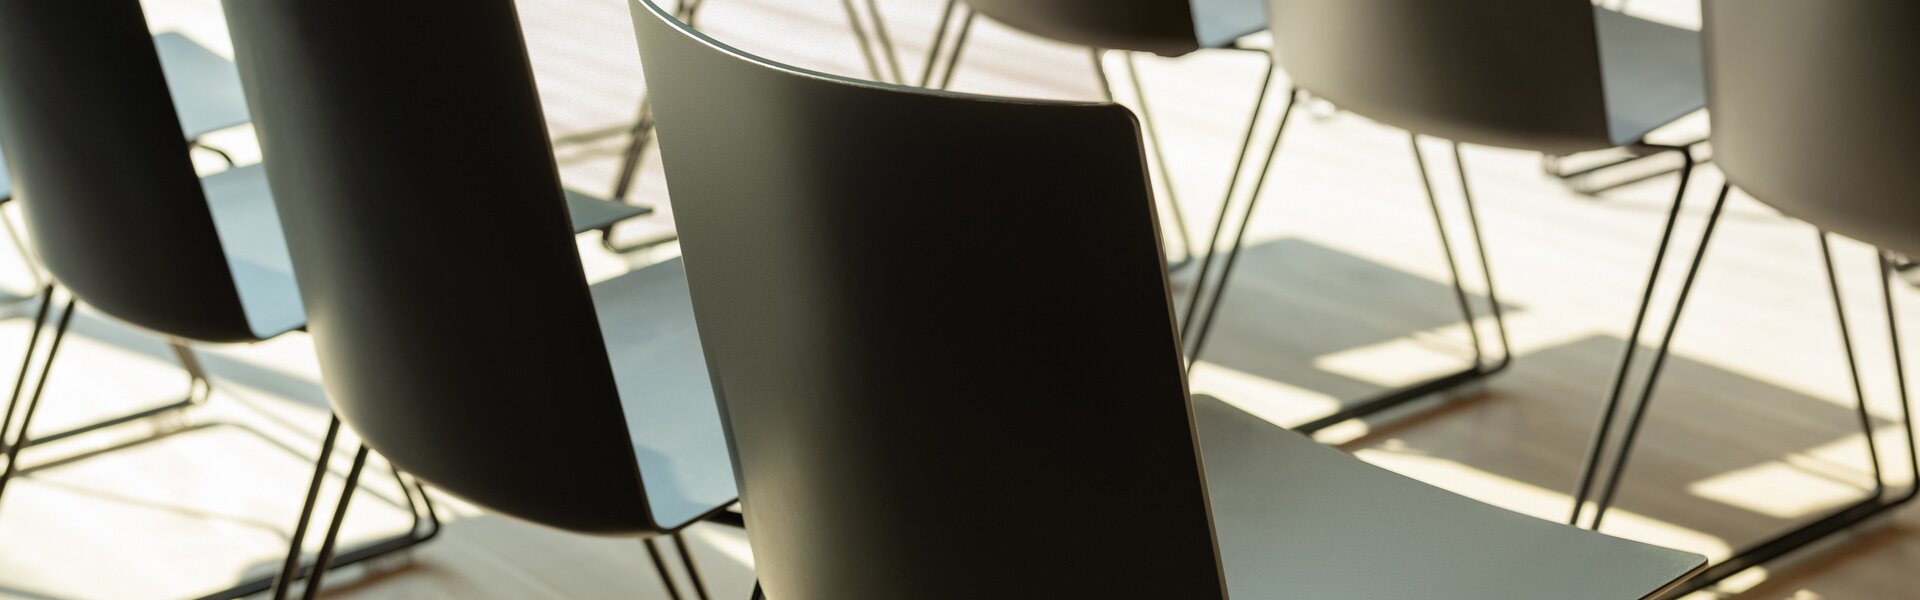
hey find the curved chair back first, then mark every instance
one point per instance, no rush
(899, 429)
(1164, 27)
(112, 202)
(1813, 111)
(389, 140)
(1509, 73)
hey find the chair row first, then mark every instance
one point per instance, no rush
(1800, 130)
(880, 383)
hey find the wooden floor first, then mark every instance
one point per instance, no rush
(1343, 294)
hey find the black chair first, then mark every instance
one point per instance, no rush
(206, 93)
(503, 378)
(1171, 28)
(911, 421)
(1556, 77)
(122, 222)
(1798, 127)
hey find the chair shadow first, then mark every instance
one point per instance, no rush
(1293, 301)
(368, 492)
(281, 385)
(1709, 459)
(278, 383)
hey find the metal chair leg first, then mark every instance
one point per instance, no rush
(426, 526)
(223, 154)
(1453, 267)
(884, 41)
(324, 561)
(639, 138)
(693, 569)
(26, 366)
(1204, 310)
(935, 49)
(1614, 393)
(1853, 364)
(1637, 416)
(199, 390)
(1226, 200)
(660, 566)
(942, 69)
(1198, 332)
(1577, 180)
(1100, 73)
(1875, 504)
(39, 388)
(290, 568)
(1887, 273)
(1157, 147)
(861, 39)
(415, 535)
(1480, 368)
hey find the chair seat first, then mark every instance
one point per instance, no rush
(6, 181)
(646, 317)
(205, 86)
(1296, 519)
(589, 213)
(256, 247)
(1220, 23)
(1653, 74)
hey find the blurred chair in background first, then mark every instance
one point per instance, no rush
(1554, 77)
(206, 98)
(124, 224)
(119, 217)
(1798, 126)
(502, 377)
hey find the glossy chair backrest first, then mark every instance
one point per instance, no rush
(1162, 27)
(1813, 107)
(1509, 73)
(390, 139)
(926, 399)
(112, 202)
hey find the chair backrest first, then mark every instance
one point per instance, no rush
(1163, 27)
(410, 163)
(112, 202)
(939, 330)
(1813, 107)
(1509, 73)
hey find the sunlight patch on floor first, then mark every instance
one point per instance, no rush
(1539, 502)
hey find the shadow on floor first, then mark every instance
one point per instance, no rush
(1293, 301)
(1713, 457)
